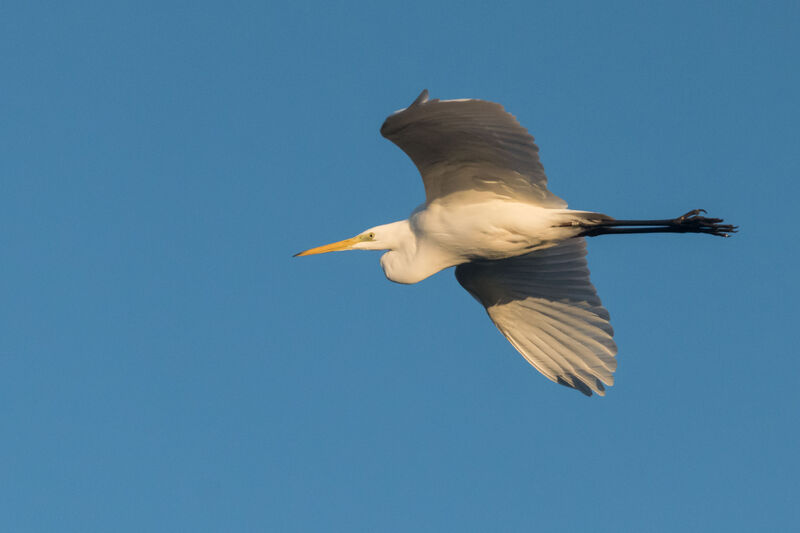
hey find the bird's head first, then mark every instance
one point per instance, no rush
(369, 240)
(398, 263)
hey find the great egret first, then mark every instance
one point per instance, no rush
(515, 246)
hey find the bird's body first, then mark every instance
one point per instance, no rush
(516, 247)
(445, 233)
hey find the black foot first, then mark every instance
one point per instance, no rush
(692, 222)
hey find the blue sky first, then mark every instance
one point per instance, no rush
(165, 365)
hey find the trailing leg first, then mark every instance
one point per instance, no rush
(691, 222)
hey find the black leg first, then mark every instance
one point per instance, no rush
(690, 222)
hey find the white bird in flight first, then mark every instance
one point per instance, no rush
(516, 247)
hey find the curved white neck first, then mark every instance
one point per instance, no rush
(408, 259)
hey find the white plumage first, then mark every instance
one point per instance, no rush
(545, 305)
(516, 247)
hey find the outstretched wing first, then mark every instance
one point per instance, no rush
(470, 145)
(545, 305)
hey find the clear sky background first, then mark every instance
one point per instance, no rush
(166, 365)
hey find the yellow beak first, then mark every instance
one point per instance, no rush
(333, 247)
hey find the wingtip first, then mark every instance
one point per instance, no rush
(390, 124)
(421, 99)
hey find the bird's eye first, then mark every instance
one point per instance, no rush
(371, 235)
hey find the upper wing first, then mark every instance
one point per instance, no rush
(545, 305)
(462, 145)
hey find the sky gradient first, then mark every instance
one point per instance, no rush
(166, 365)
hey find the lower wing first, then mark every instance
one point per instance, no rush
(546, 306)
